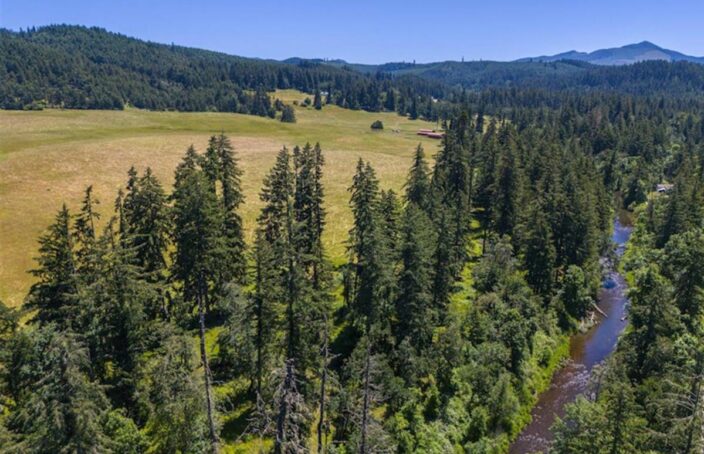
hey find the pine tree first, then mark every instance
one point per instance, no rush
(539, 250)
(199, 252)
(369, 252)
(144, 223)
(417, 187)
(54, 296)
(414, 306)
(506, 185)
(63, 409)
(317, 100)
(230, 177)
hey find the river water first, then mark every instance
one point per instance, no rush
(586, 350)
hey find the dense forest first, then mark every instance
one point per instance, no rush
(89, 68)
(645, 78)
(162, 329)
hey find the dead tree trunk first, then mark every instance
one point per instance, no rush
(206, 368)
(323, 384)
(363, 449)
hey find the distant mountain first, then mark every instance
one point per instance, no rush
(632, 53)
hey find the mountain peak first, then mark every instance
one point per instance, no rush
(645, 44)
(625, 55)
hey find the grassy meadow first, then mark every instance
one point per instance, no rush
(49, 157)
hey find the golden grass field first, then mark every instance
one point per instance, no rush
(49, 157)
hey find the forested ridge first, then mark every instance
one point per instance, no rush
(641, 79)
(90, 68)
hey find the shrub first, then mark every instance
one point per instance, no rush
(288, 115)
(377, 125)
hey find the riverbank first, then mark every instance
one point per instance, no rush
(586, 350)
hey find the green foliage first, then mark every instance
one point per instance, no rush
(377, 125)
(174, 399)
(55, 292)
(91, 68)
(288, 115)
(62, 410)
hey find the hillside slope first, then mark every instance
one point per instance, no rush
(80, 67)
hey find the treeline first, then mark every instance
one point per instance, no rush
(671, 79)
(649, 399)
(90, 68)
(399, 362)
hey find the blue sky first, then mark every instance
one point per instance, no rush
(383, 30)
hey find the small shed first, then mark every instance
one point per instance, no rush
(664, 187)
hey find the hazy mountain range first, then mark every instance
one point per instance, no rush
(631, 53)
(614, 56)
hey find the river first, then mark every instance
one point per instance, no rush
(586, 350)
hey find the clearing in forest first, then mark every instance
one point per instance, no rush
(49, 157)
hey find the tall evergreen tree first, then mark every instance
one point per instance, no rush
(199, 253)
(539, 250)
(414, 306)
(64, 410)
(230, 177)
(54, 296)
(417, 187)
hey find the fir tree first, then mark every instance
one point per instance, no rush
(230, 177)
(417, 187)
(54, 296)
(414, 306)
(317, 100)
(539, 250)
(198, 255)
(64, 410)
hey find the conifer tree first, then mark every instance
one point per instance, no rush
(85, 230)
(115, 318)
(417, 187)
(414, 306)
(54, 296)
(390, 101)
(539, 250)
(199, 253)
(288, 114)
(230, 177)
(317, 100)
(145, 224)
(369, 253)
(65, 409)
(506, 185)
(685, 264)
(177, 417)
